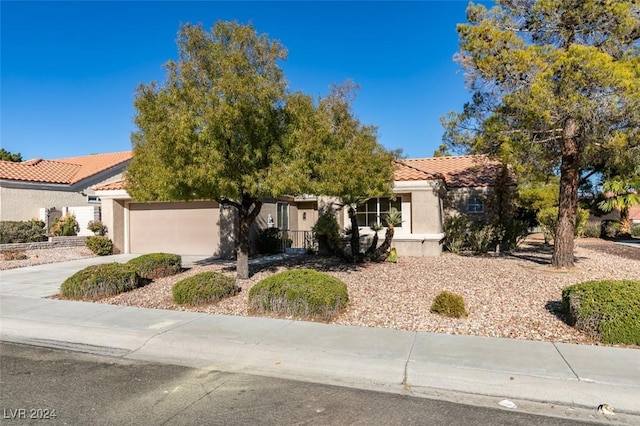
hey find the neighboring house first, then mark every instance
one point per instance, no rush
(35, 189)
(423, 189)
(634, 214)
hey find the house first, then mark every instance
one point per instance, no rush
(44, 189)
(424, 189)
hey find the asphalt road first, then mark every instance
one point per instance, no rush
(46, 386)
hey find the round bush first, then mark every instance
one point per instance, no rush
(97, 281)
(301, 293)
(157, 265)
(206, 287)
(100, 245)
(449, 304)
(608, 310)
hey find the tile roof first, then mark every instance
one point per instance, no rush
(63, 170)
(111, 186)
(457, 172)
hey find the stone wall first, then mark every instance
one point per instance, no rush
(53, 242)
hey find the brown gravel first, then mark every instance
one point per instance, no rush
(42, 256)
(512, 295)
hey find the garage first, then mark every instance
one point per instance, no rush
(186, 228)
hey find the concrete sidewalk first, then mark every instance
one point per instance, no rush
(462, 368)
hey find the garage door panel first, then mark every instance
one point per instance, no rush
(181, 228)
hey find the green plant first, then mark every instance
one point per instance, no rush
(99, 245)
(14, 255)
(514, 233)
(449, 304)
(591, 230)
(96, 227)
(65, 226)
(609, 228)
(97, 281)
(22, 231)
(635, 230)
(548, 219)
(326, 231)
(483, 237)
(301, 293)
(156, 265)
(269, 241)
(608, 310)
(456, 229)
(206, 287)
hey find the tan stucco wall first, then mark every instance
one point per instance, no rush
(426, 212)
(457, 198)
(307, 215)
(25, 204)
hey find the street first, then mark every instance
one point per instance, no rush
(47, 386)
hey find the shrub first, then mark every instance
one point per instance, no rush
(514, 233)
(456, 229)
(269, 241)
(635, 230)
(483, 237)
(607, 310)
(449, 304)
(96, 227)
(29, 231)
(326, 231)
(97, 281)
(206, 287)
(14, 255)
(591, 230)
(156, 265)
(301, 293)
(65, 226)
(609, 228)
(548, 219)
(100, 245)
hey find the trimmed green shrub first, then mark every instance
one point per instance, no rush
(326, 232)
(100, 245)
(449, 304)
(65, 226)
(548, 219)
(97, 281)
(608, 310)
(29, 231)
(635, 230)
(96, 227)
(206, 287)
(301, 293)
(157, 265)
(456, 229)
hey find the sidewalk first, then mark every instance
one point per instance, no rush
(561, 377)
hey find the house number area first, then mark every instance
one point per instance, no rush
(29, 413)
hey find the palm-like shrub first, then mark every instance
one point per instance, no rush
(622, 194)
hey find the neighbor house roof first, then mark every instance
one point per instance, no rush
(63, 170)
(457, 172)
(116, 185)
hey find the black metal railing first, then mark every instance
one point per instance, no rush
(299, 240)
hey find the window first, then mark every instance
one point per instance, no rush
(375, 210)
(93, 199)
(475, 205)
(282, 215)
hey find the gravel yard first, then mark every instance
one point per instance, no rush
(514, 296)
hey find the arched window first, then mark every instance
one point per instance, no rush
(475, 205)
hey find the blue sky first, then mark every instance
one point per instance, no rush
(69, 70)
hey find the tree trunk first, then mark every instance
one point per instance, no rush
(568, 202)
(372, 247)
(386, 244)
(248, 210)
(625, 223)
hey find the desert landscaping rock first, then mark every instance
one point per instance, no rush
(511, 295)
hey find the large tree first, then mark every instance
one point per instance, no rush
(223, 127)
(9, 156)
(556, 86)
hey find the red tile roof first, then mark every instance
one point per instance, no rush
(457, 172)
(63, 170)
(111, 186)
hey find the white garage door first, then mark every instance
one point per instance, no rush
(180, 228)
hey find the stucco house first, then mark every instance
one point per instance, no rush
(38, 188)
(421, 187)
